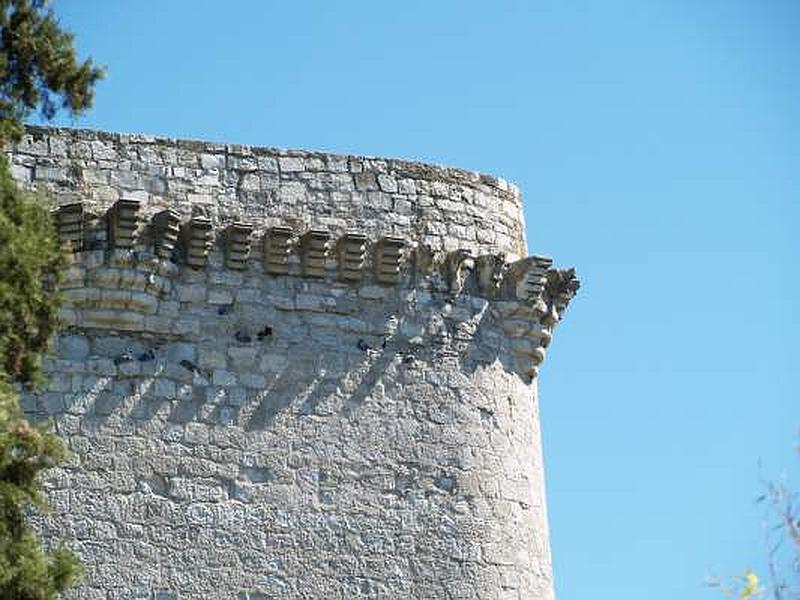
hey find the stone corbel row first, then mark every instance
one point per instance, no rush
(531, 281)
(192, 241)
(531, 297)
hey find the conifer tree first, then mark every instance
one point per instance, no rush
(39, 71)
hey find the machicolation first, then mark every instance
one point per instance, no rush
(289, 374)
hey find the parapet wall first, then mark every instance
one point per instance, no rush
(442, 208)
(293, 375)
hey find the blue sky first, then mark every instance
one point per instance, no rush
(658, 148)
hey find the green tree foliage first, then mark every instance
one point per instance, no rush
(27, 572)
(30, 262)
(38, 71)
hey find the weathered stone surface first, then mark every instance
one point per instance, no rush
(303, 420)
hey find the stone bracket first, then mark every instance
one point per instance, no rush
(352, 254)
(315, 246)
(530, 283)
(166, 229)
(237, 245)
(197, 241)
(458, 265)
(68, 219)
(278, 245)
(526, 279)
(389, 258)
(123, 220)
(490, 269)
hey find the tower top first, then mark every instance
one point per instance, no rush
(442, 208)
(293, 374)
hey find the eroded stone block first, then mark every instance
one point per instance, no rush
(123, 222)
(166, 229)
(389, 256)
(237, 245)
(314, 248)
(69, 223)
(352, 254)
(278, 245)
(197, 238)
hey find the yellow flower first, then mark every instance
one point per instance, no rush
(750, 589)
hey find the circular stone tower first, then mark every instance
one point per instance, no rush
(293, 375)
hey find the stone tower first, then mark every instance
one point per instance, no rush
(290, 374)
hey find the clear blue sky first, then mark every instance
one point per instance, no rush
(658, 148)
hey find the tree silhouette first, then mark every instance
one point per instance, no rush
(39, 70)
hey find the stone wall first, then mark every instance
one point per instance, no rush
(293, 375)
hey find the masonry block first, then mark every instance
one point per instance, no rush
(123, 222)
(197, 241)
(69, 223)
(389, 256)
(278, 245)
(315, 245)
(237, 245)
(352, 254)
(166, 229)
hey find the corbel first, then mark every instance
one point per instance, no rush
(389, 255)
(526, 279)
(491, 269)
(560, 288)
(458, 265)
(237, 245)
(352, 254)
(166, 229)
(123, 220)
(197, 239)
(68, 219)
(278, 244)
(315, 245)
